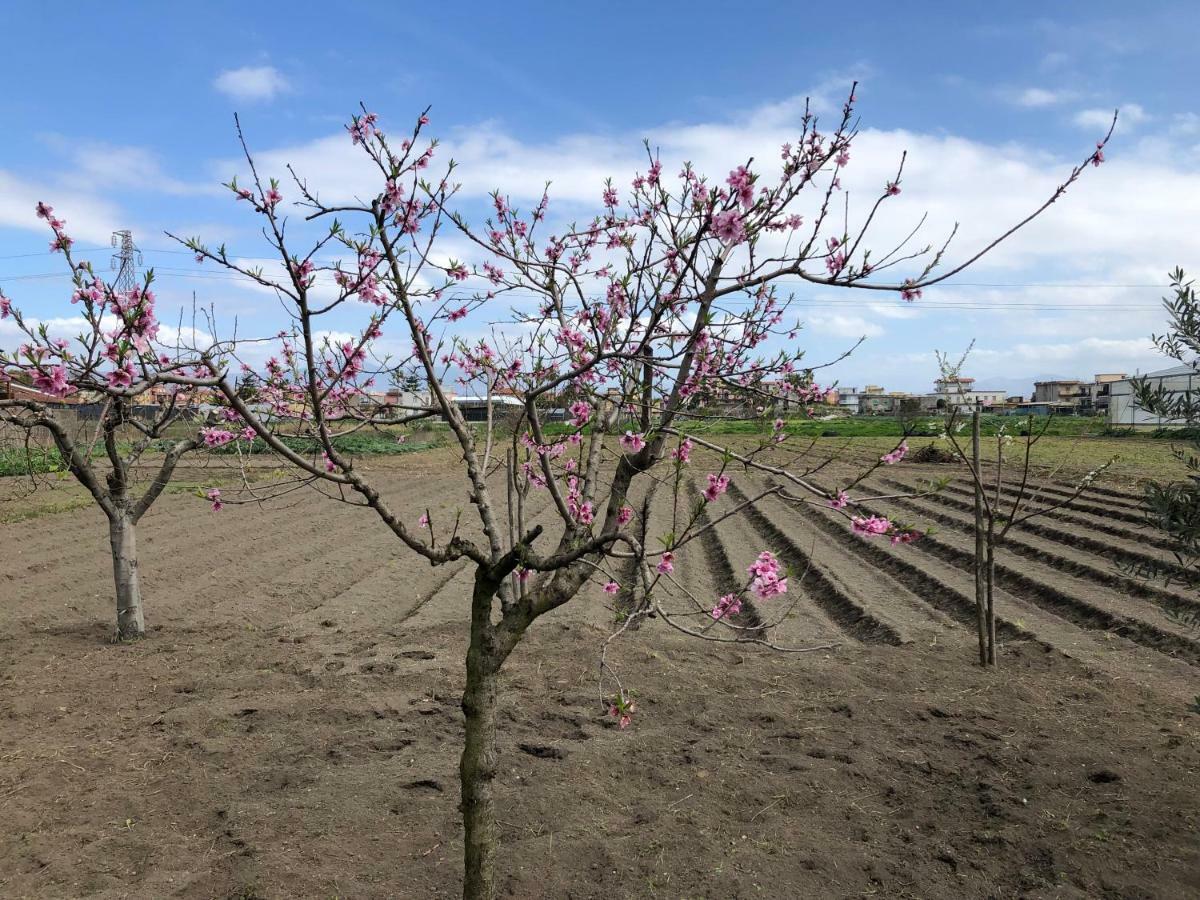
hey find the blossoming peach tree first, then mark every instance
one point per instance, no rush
(653, 313)
(142, 386)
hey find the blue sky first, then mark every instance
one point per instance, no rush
(121, 116)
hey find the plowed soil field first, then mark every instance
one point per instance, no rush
(290, 728)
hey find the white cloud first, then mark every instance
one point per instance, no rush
(1186, 123)
(250, 83)
(841, 325)
(1130, 115)
(1036, 97)
(89, 218)
(121, 166)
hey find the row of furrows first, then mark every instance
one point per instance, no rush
(1075, 609)
(939, 593)
(1129, 498)
(1167, 599)
(282, 549)
(846, 612)
(1133, 514)
(1074, 514)
(1119, 499)
(723, 573)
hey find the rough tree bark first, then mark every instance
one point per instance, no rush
(477, 767)
(122, 533)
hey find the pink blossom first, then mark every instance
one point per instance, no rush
(214, 496)
(729, 227)
(909, 293)
(766, 571)
(122, 377)
(216, 437)
(892, 189)
(329, 463)
(896, 455)
(840, 501)
(741, 183)
(5, 307)
(632, 443)
(729, 605)
(869, 526)
(666, 565)
(612, 588)
(249, 434)
(717, 485)
(581, 412)
(683, 452)
(423, 521)
(53, 383)
(624, 514)
(622, 711)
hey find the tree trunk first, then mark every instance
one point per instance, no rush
(991, 610)
(123, 536)
(981, 599)
(477, 768)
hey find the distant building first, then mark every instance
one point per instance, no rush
(959, 392)
(1123, 409)
(847, 399)
(1066, 390)
(1099, 393)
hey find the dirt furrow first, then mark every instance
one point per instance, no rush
(851, 613)
(1093, 580)
(800, 617)
(949, 583)
(1073, 515)
(1084, 603)
(959, 513)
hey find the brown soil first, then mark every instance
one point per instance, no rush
(291, 727)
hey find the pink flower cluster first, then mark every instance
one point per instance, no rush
(717, 485)
(766, 574)
(216, 437)
(622, 710)
(632, 443)
(581, 412)
(683, 452)
(869, 526)
(729, 605)
(896, 455)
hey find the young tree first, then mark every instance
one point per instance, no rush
(668, 297)
(1173, 507)
(999, 505)
(116, 359)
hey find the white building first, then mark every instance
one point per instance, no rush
(960, 392)
(1122, 406)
